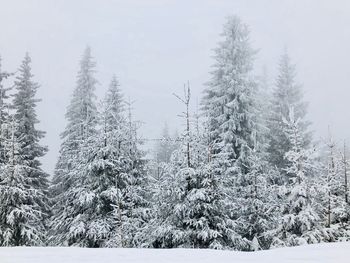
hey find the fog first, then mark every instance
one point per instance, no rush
(155, 46)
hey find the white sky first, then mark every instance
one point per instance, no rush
(155, 46)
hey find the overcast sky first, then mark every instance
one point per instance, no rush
(154, 46)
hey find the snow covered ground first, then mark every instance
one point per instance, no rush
(321, 253)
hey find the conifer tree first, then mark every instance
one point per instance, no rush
(230, 104)
(262, 99)
(68, 192)
(4, 112)
(229, 98)
(190, 211)
(300, 221)
(257, 204)
(137, 212)
(21, 215)
(287, 94)
(165, 146)
(23, 182)
(189, 204)
(331, 192)
(103, 169)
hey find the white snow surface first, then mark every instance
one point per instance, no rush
(320, 253)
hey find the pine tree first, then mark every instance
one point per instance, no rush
(287, 94)
(68, 192)
(23, 182)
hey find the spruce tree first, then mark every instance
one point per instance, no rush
(331, 191)
(165, 146)
(287, 94)
(23, 182)
(189, 203)
(300, 219)
(137, 213)
(190, 211)
(106, 172)
(68, 193)
(230, 104)
(4, 112)
(257, 204)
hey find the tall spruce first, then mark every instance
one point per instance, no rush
(111, 163)
(137, 213)
(23, 183)
(67, 224)
(102, 168)
(231, 107)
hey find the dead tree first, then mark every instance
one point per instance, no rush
(186, 101)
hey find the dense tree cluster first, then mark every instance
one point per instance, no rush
(245, 174)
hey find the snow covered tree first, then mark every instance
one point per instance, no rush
(105, 169)
(116, 175)
(67, 223)
(300, 222)
(24, 104)
(287, 94)
(165, 146)
(230, 104)
(4, 112)
(135, 197)
(23, 183)
(163, 149)
(256, 204)
(229, 98)
(190, 208)
(331, 193)
(21, 213)
(336, 210)
(262, 99)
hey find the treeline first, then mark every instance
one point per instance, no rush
(244, 174)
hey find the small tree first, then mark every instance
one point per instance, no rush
(165, 146)
(300, 222)
(191, 208)
(332, 195)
